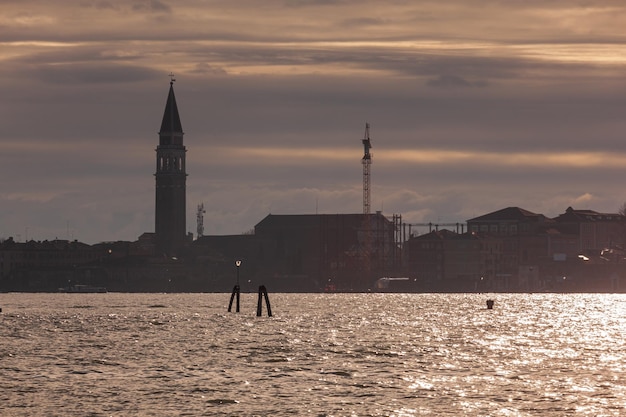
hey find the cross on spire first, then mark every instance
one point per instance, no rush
(172, 79)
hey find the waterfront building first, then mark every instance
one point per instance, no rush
(43, 265)
(310, 252)
(443, 260)
(596, 231)
(329, 250)
(510, 221)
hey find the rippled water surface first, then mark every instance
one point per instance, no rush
(320, 354)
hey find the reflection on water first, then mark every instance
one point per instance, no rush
(321, 355)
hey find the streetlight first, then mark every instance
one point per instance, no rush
(236, 289)
(238, 264)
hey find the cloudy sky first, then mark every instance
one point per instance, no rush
(474, 106)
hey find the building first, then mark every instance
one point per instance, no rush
(519, 239)
(443, 260)
(46, 265)
(171, 177)
(510, 221)
(339, 251)
(596, 231)
(308, 252)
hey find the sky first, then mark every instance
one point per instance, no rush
(474, 106)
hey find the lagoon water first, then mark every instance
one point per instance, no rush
(320, 355)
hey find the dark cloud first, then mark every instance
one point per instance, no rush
(451, 81)
(102, 5)
(363, 22)
(204, 68)
(313, 3)
(137, 6)
(153, 6)
(91, 73)
(401, 61)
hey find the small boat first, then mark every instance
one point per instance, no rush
(81, 288)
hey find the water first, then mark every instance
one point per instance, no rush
(320, 355)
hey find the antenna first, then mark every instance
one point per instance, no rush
(200, 220)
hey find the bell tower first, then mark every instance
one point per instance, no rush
(171, 177)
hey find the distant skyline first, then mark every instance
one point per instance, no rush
(473, 105)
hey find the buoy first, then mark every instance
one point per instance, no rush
(489, 304)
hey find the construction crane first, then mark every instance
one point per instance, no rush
(200, 220)
(367, 163)
(366, 248)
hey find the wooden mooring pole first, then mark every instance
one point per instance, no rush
(236, 292)
(259, 306)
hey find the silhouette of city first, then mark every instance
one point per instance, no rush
(508, 250)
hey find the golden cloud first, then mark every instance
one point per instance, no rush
(301, 156)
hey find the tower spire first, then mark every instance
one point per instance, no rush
(170, 124)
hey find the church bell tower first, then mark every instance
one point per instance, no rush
(171, 177)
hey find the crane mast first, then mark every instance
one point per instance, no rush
(367, 163)
(366, 248)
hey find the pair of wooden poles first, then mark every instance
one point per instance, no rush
(259, 306)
